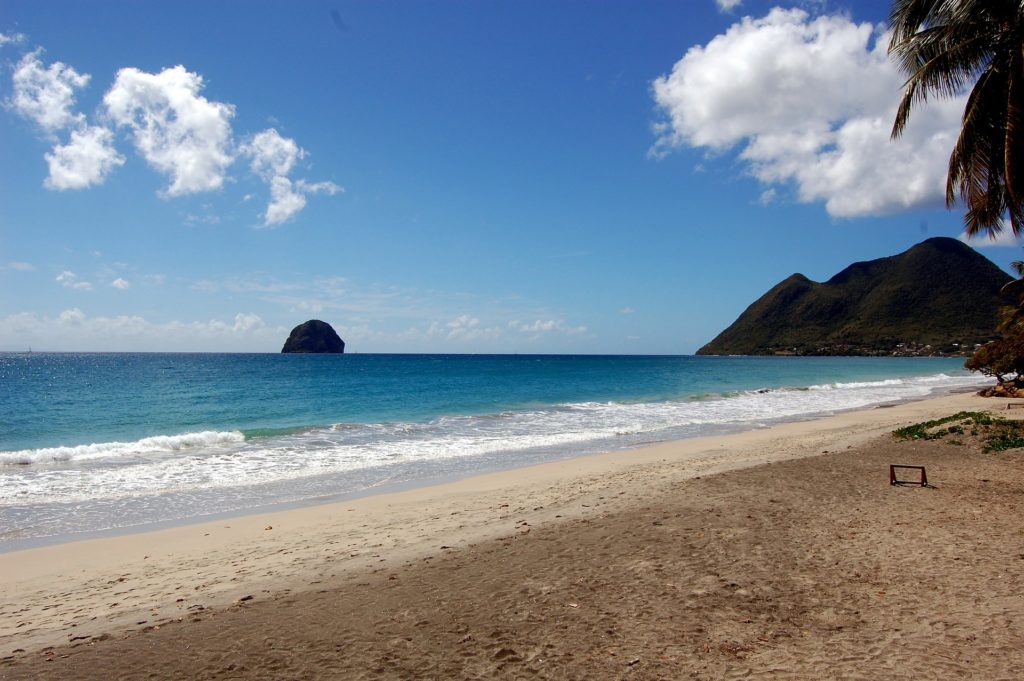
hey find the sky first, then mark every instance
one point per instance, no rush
(478, 176)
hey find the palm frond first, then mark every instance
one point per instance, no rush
(943, 46)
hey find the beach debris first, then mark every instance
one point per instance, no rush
(508, 654)
(635, 660)
(245, 598)
(893, 480)
(268, 527)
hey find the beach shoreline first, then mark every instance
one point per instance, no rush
(490, 465)
(85, 592)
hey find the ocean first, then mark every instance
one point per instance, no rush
(105, 443)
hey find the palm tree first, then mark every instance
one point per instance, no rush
(1012, 323)
(945, 45)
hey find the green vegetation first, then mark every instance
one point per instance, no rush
(925, 431)
(943, 46)
(939, 293)
(1003, 358)
(1006, 440)
(995, 434)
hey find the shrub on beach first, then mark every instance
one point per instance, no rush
(1003, 359)
(991, 433)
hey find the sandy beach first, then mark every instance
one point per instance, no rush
(780, 553)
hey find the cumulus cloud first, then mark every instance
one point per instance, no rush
(285, 202)
(46, 95)
(546, 326)
(463, 328)
(72, 317)
(271, 154)
(11, 38)
(809, 101)
(246, 322)
(728, 5)
(272, 158)
(120, 284)
(177, 131)
(84, 161)
(69, 279)
(73, 329)
(1005, 239)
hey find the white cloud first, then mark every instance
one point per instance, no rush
(72, 317)
(314, 306)
(175, 129)
(287, 198)
(271, 154)
(179, 132)
(1005, 239)
(328, 188)
(463, 328)
(6, 38)
(72, 329)
(120, 284)
(728, 5)
(46, 95)
(463, 323)
(627, 310)
(85, 161)
(272, 158)
(208, 217)
(69, 279)
(20, 266)
(811, 101)
(244, 323)
(546, 326)
(285, 202)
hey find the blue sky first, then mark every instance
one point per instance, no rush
(444, 176)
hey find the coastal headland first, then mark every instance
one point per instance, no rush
(779, 553)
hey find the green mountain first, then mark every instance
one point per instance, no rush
(939, 293)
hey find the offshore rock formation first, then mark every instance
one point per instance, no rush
(314, 336)
(939, 297)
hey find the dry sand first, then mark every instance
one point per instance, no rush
(682, 560)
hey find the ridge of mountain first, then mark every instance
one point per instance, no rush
(938, 297)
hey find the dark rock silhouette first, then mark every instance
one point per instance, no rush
(314, 336)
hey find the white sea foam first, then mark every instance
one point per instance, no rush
(114, 450)
(207, 461)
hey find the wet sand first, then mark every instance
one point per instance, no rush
(782, 553)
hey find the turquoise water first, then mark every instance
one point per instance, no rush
(90, 442)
